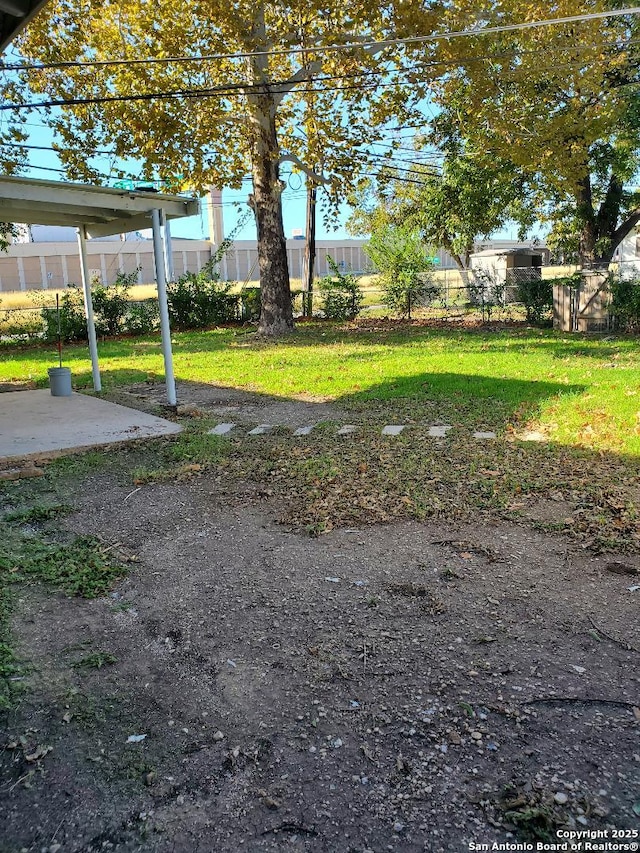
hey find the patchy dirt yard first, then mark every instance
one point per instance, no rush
(415, 686)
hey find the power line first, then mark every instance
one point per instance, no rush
(357, 45)
(12, 143)
(271, 86)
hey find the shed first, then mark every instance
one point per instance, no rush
(506, 268)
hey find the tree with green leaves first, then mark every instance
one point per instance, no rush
(463, 201)
(560, 103)
(213, 120)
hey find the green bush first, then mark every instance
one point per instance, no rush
(250, 304)
(625, 303)
(73, 325)
(111, 304)
(537, 297)
(405, 266)
(200, 300)
(20, 325)
(340, 294)
(142, 317)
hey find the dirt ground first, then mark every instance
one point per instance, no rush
(406, 687)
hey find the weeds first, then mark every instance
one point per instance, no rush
(34, 551)
(78, 567)
(95, 661)
(36, 514)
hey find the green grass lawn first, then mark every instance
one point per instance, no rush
(579, 390)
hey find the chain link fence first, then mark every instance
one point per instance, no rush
(456, 297)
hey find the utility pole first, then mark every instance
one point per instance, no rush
(310, 248)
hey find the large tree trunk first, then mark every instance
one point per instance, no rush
(600, 233)
(276, 315)
(588, 237)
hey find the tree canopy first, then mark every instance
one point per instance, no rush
(465, 199)
(266, 95)
(561, 104)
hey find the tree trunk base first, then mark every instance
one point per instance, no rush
(277, 329)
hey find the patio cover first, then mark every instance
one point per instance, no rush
(99, 212)
(14, 15)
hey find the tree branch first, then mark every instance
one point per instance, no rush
(304, 74)
(622, 230)
(293, 158)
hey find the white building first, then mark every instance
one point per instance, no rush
(627, 255)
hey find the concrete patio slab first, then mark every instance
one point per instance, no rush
(34, 423)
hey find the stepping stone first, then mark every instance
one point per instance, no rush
(261, 429)
(438, 431)
(481, 435)
(393, 429)
(305, 430)
(347, 429)
(221, 429)
(532, 435)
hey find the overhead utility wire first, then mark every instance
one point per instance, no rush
(242, 88)
(503, 28)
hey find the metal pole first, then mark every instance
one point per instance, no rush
(158, 256)
(168, 248)
(88, 307)
(309, 250)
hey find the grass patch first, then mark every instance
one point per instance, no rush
(77, 567)
(9, 665)
(36, 514)
(580, 390)
(95, 661)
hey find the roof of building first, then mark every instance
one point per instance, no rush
(514, 250)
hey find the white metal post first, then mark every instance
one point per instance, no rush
(168, 248)
(88, 307)
(158, 256)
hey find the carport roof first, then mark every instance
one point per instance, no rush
(14, 15)
(101, 210)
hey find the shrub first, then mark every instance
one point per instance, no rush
(200, 300)
(73, 325)
(340, 294)
(250, 304)
(405, 267)
(625, 303)
(111, 303)
(537, 297)
(21, 325)
(142, 317)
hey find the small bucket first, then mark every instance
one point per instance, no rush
(60, 381)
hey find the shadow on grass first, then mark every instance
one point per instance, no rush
(455, 398)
